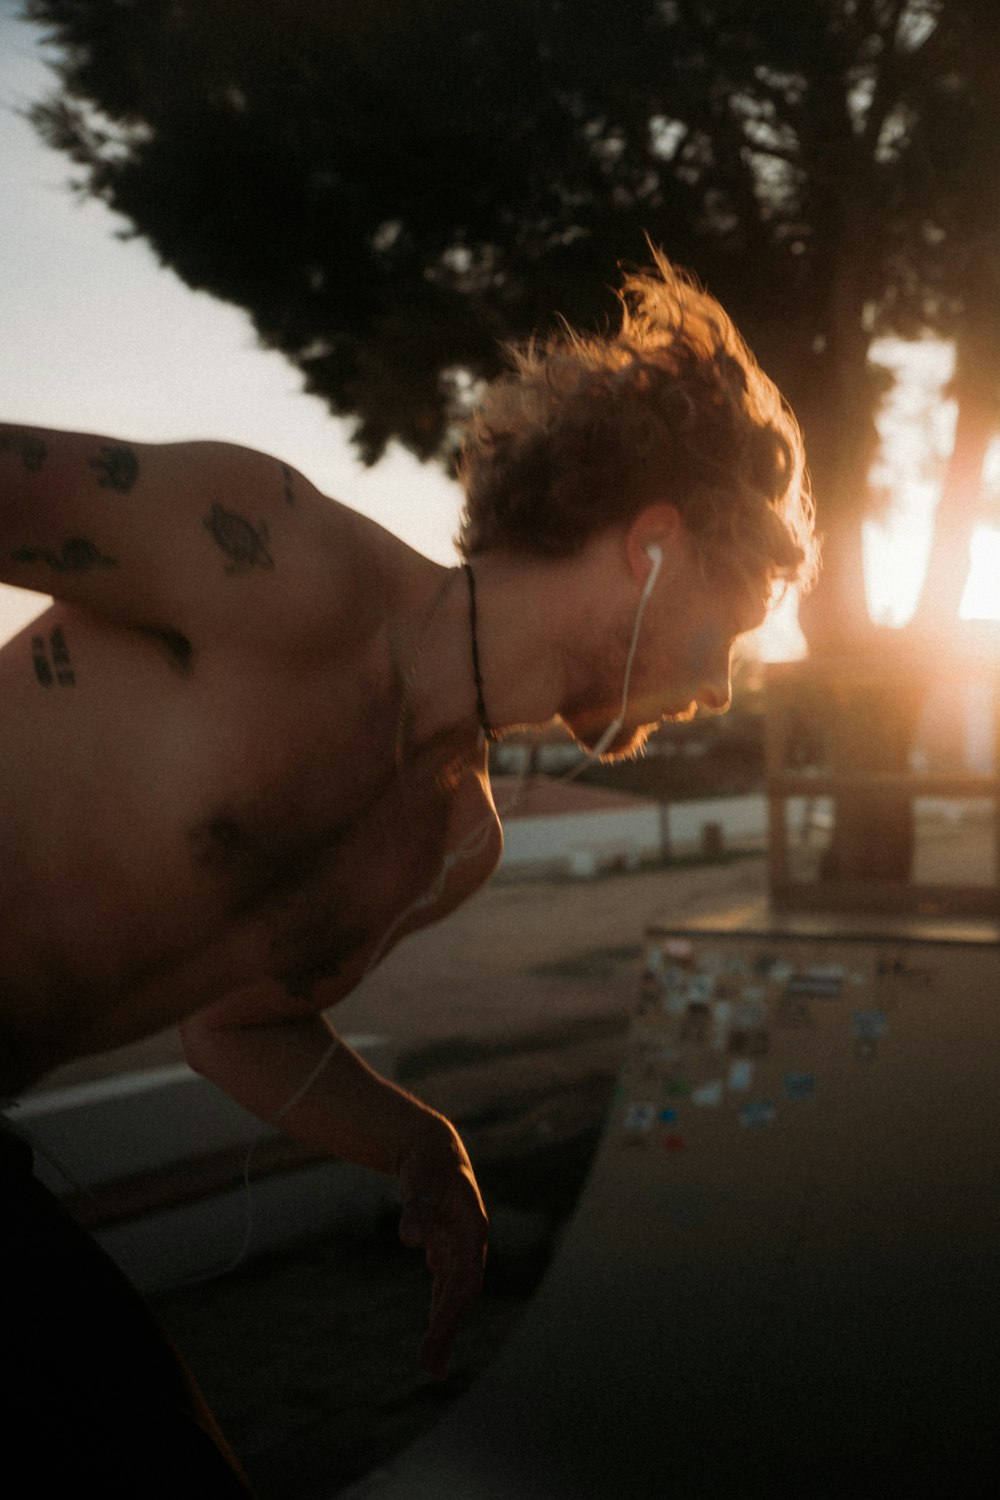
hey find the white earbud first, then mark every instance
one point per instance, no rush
(655, 555)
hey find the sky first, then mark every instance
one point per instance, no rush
(98, 337)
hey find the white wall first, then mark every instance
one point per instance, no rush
(637, 832)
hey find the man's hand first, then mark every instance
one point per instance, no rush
(260, 1045)
(443, 1212)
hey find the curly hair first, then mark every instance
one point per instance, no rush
(585, 432)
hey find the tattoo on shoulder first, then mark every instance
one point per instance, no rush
(288, 475)
(50, 660)
(78, 555)
(32, 450)
(242, 542)
(117, 468)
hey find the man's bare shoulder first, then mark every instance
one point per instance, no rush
(210, 540)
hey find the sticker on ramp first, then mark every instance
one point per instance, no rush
(869, 1025)
(758, 1114)
(640, 1118)
(740, 1075)
(778, 969)
(821, 986)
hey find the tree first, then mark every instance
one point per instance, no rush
(389, 191)
(876, 121)
(394, 191)
(955, 143)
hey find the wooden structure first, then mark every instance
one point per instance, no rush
(823, 762)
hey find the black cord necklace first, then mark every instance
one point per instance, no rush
(481, 714)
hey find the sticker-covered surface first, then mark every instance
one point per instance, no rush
(757, 1030)
(783, 1276)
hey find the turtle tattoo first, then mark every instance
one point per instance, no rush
(243, 543)
(116, 469)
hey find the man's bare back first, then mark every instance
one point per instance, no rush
(198, 804)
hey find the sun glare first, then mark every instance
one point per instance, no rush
(896, 551)
(981, 600)
(917, 432)
(780, 637)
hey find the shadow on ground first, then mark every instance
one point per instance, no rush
(309, 1361)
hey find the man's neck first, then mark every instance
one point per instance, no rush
(516, 658)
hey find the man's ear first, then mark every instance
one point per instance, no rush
(657, 526)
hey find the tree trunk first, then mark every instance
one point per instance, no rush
(975, 389)
(870, 726)
(870, 729)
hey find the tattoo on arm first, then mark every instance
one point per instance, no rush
(117, 468)
(242, 542)
(288, 476)
(40, 661)
(51, 661)
(32, 450)
(78, 555)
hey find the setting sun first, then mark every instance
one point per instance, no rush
(916, 428)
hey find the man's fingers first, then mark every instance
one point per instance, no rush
(448, 1221)
(451, 1295)
(437, 1347)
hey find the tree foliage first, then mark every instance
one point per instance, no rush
(390, 190)
(393, 191)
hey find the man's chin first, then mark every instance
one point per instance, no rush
(626, 745)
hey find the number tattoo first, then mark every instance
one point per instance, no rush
(54, 668)
(244, 543)
(32, 450)
(77, 556)
(117, 468)
(40, 661)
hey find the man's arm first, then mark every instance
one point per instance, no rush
(187, 535)
(262, 1048)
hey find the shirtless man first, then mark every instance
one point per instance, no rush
(243, 754)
